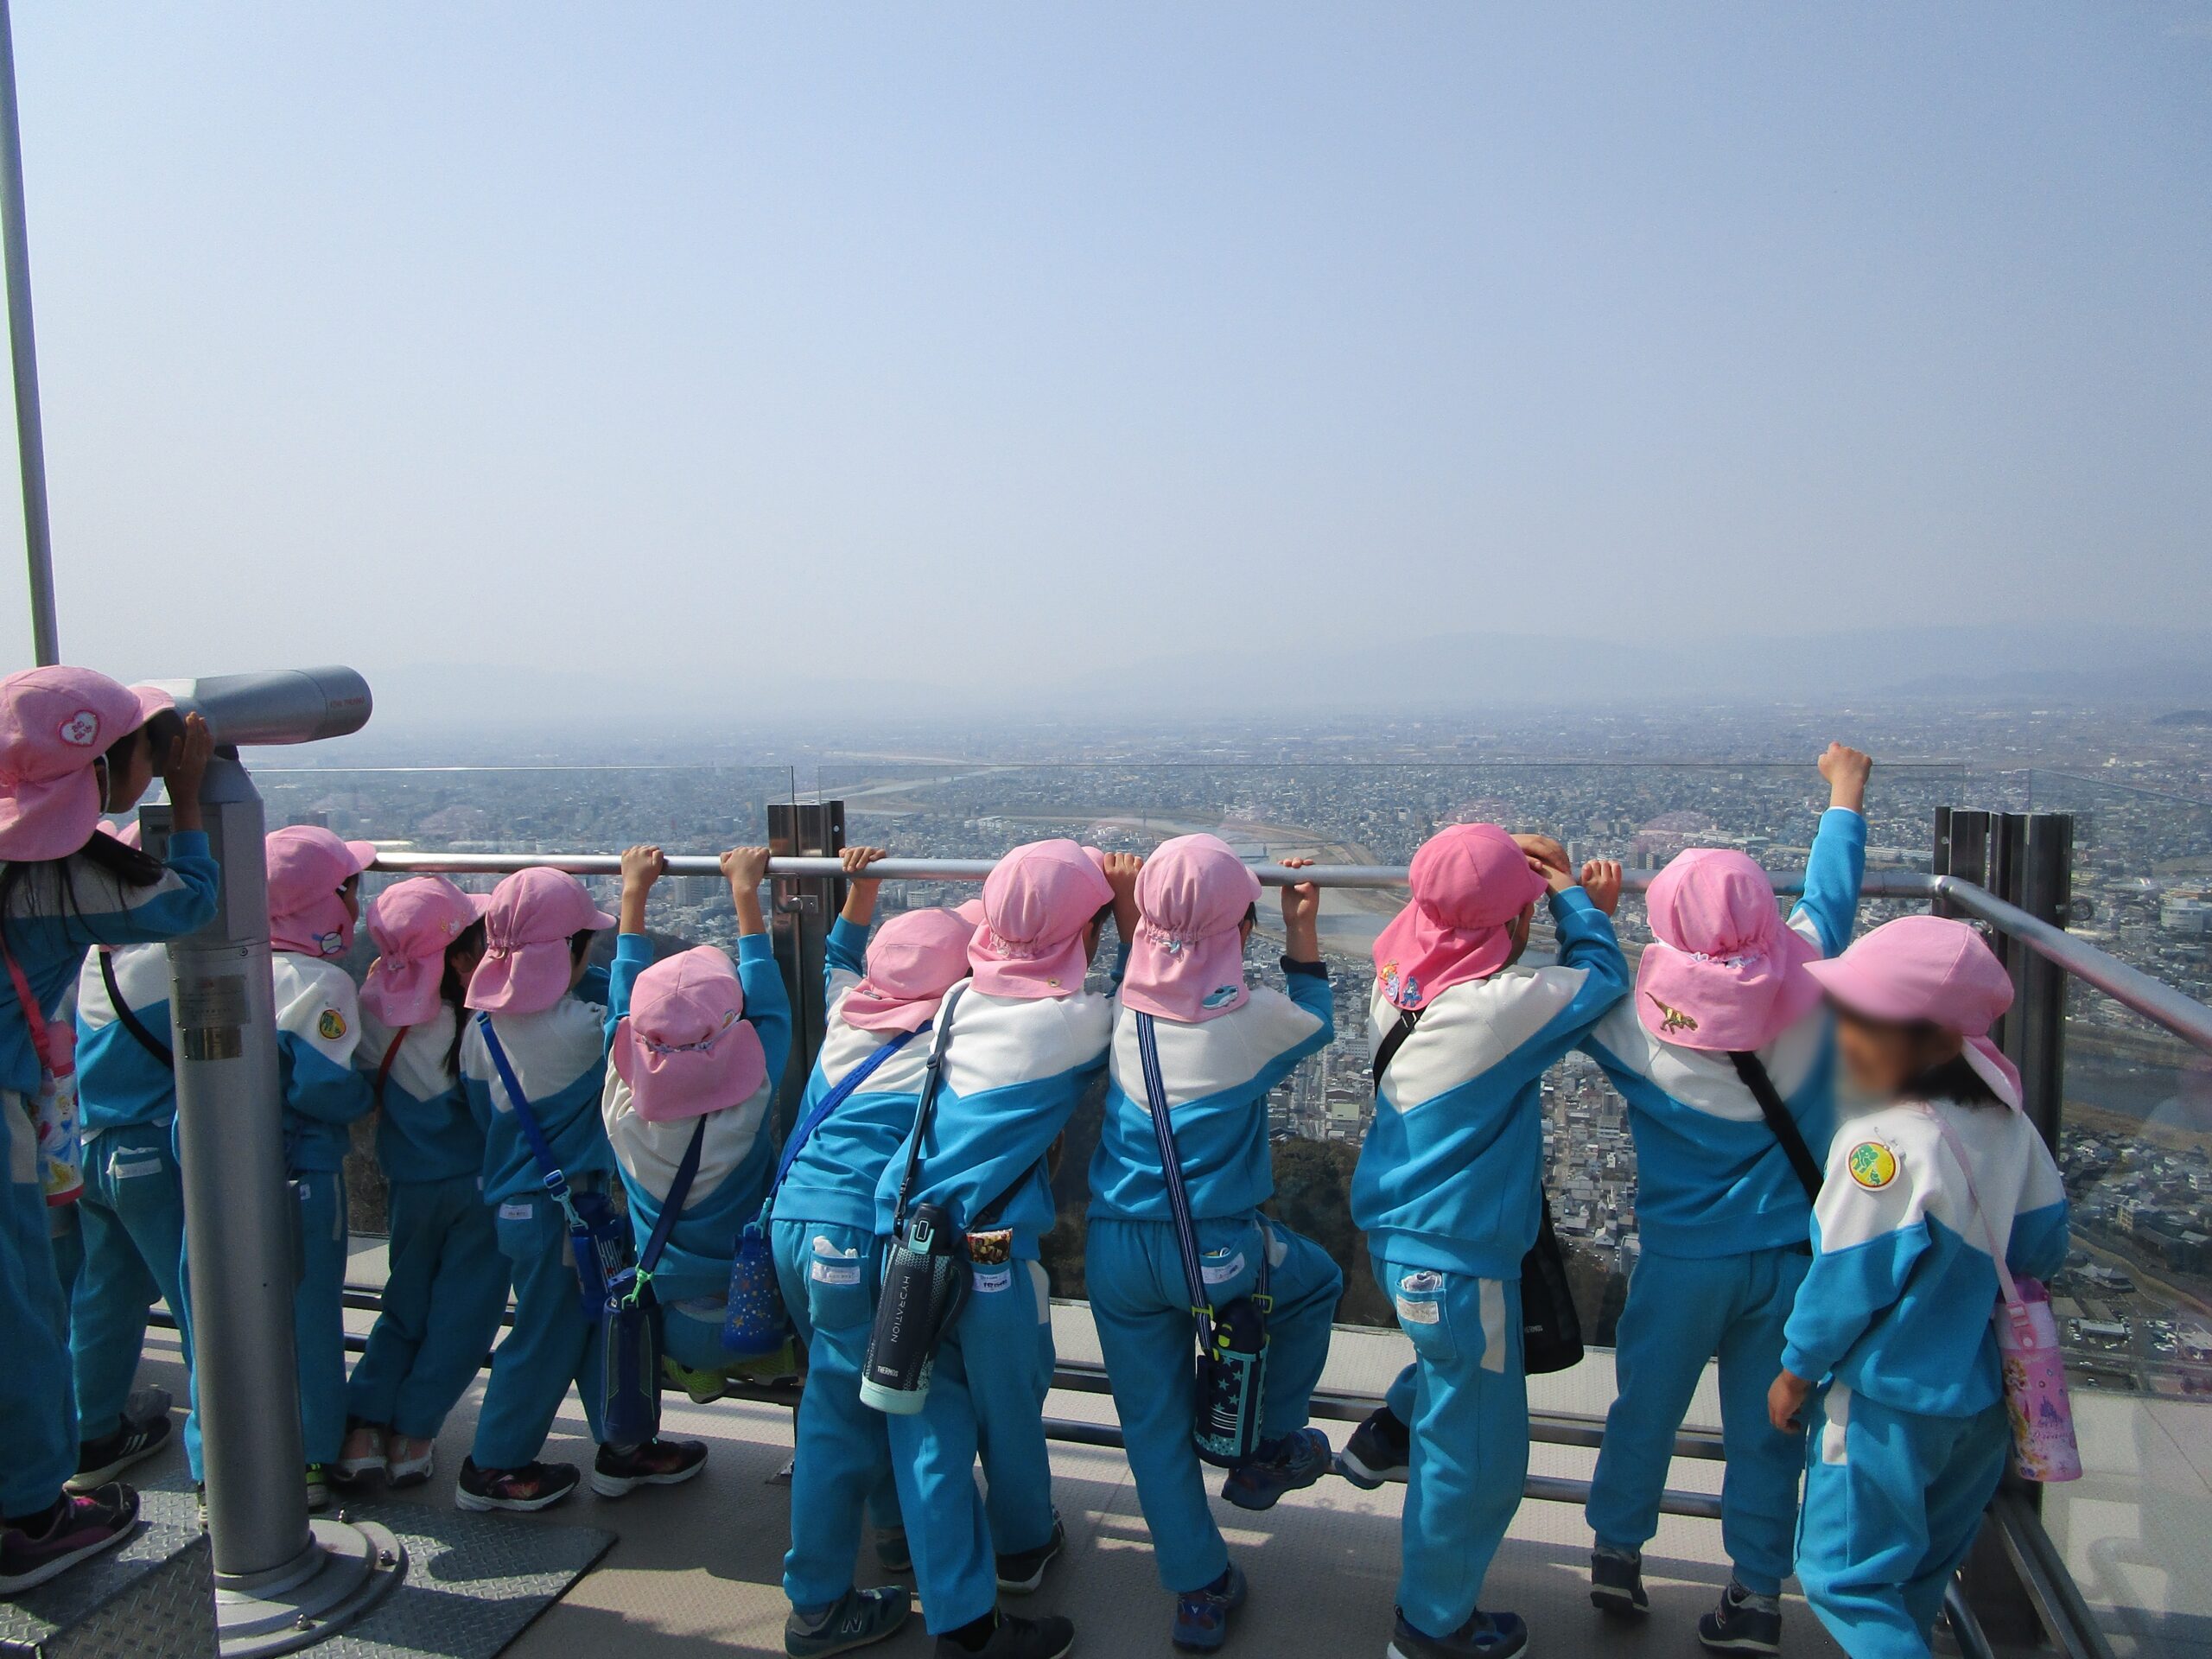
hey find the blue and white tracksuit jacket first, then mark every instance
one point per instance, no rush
(1449, 1190)
(1217, 1074)
(1723, 1220)
(446, 1283)
(1910, 1443)
(1015, 1070)
(692, 1280)
(559, 1056)
(58, 912)
(318, 1028)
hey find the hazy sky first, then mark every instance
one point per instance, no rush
(976, 340)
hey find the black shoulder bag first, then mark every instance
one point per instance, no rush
(127, 1017)
(1551, 1325)
(629, 1402)
(1752, 1070)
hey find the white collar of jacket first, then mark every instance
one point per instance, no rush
(318, 1003)
(999, 1041)
(1212, 1056)
(845, 1047)
(1468, 1028)
(549, 1049)
(1890, 1169)
(650, 1152)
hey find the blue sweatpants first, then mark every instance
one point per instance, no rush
(446, 1289)
(131, 1222)
(1469, 1414)
(986, 1391)
(38, 1413)
(319, 1313)
(1141, 1302)
(1892, 1502)
(68, 1235)
(552, 1346)
(1681, 1311)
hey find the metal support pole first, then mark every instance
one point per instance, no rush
(801, 910)
(281, 1581)
(2040, 879)
(31, 435)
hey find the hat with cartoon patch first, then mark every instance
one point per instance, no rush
(1724, 971)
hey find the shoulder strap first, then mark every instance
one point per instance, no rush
(847, 1086)
(679, 1191)
(55, 1059)
(926, 1107)
(1179, 1199)
(383, 1066)
(556, 1183)
(1394, 1040)
(1752, 1070)
(127, 1016)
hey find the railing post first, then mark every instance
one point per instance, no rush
(801, 911)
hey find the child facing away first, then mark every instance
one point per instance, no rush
(73, 743)
(883, 998)
(1221, 1046)
(1025, 1038)
(697, 1048)
(448, 1281)
(1449, 1190)
(1722, 1001)
(1923, 1193)
(314, 882)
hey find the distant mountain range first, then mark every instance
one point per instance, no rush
(1441, 672)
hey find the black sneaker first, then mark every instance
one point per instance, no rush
(74, 1529)
(1486, 1636)
(1022, 1573)
(1017, 1638)
(1742, 1623)
(1379, 1448)
(533, 1486)
(100, 1461)
(657, 1463)
(1617, 1582)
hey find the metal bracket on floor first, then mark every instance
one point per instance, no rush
(346, 1569)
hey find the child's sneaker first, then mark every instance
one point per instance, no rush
(533, 1486)
(657, 1463)
(317, 1480)
(893, 1550)
(855, 1620)
(1486, 1636)
(1022, 1573)
(1202, 1616)
(1379, 1448)
(1743, 1622)
(704, 1388)
(361, 1456)
(100, 1461)
(1296, 1460)
(1617, 1582)
(1016, 1638)
(406, 1466)
(74, 1529)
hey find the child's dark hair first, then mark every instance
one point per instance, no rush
(579, 944)
(1954, 1080)
(454, 989)
(130, 867)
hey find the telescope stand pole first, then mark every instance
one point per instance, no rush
(282, 1580)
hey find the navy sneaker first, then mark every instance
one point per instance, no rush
(1022, 1573)
(657, 1463)
(1202, 1616)
(1014, 1637)
(854, 1620)
(1617, 1582)
(533, 1486)
(1742, 1623)
(1486, 1636)
(1296, 1460)
(79, 1527)
(100, 1461)
(1379, 1448)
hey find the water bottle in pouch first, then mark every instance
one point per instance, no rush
(925, 1279)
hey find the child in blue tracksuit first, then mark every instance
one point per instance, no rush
(1923, 1194)
(446, 1285)
(1721, 1207)
(882, 999)
(1025, 1038)
(697, 1047)
(314, 902)
(1449, 1190)
(71, 742)
(1221, 1046)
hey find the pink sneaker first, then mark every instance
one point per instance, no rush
(76, 1529)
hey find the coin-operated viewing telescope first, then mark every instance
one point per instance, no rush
(283, 705)
(287, 1581)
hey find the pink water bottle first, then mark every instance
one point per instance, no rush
(2043, 1447)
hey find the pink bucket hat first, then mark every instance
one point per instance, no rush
(54, 723)
(1468, 882)
(685, 1047)
(1725, 973)
(526, 967)
(1187, 960)
(913, 960)
(1930, 968)
(413, 924)
(1036, 904)
(306, 866)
